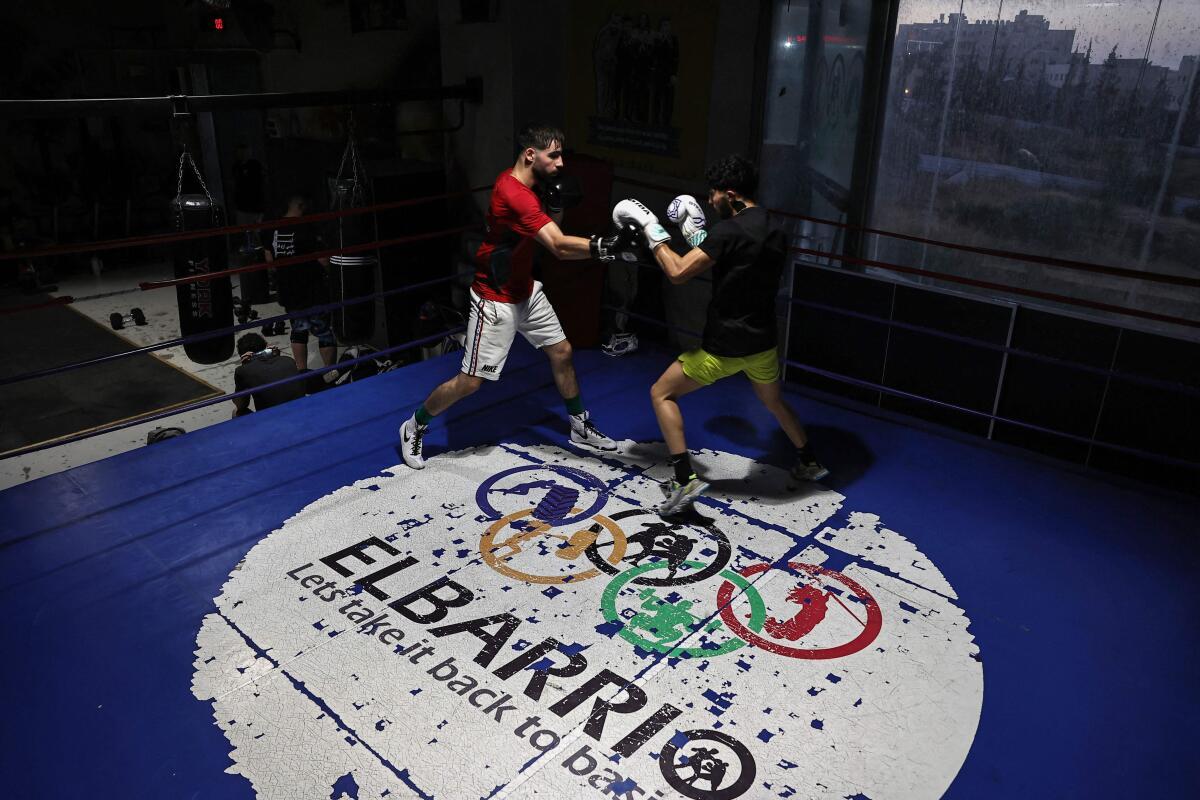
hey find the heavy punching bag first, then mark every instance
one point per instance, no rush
(205, 305)
(352, 274)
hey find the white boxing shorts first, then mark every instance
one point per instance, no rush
(492, 326)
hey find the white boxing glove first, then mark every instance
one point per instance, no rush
(686, 212)
(632, 211)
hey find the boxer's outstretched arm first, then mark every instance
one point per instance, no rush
(563, 246)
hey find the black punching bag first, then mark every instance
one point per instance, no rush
(352, 274)
(203, 305)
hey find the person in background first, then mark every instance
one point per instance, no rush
(262, 365)
(303, 285)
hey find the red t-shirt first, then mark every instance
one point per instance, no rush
(504, 262)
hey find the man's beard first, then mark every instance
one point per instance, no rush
(724, 209)
(542, 175)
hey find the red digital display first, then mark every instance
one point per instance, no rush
(218, 24)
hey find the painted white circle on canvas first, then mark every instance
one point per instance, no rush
(774, 643)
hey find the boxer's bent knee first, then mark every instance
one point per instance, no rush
(560, 350)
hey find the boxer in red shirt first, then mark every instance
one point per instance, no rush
(506, 300)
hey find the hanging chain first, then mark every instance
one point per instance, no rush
(186, 156)
(357, 170)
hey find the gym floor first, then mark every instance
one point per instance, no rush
(1036, 634)
(162, 318)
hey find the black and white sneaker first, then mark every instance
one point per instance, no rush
(620, 344)
(807, 468)
(412, 437)
(679, 496)
(585, 433)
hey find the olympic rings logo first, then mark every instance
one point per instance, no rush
(633, 548)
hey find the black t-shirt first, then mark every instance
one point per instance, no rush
(260, 371)
(300, 285)
(749, 256)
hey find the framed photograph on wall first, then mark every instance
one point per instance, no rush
(638, 77)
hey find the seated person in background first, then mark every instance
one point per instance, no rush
(303, 285)
(262, 365)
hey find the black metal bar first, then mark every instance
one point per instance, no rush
(877, 66)
(471, 89)
(1006, 349)
(879, 387)
(836, 376)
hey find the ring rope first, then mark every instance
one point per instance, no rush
(200, 337)
(1170, 460)
(279, 262)
(1000, 287)
(1012, 255)
(300, 259)
(1165, 459)
(1155, 383)
(183, 236)
(21, 451)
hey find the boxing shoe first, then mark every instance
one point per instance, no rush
(678, 496)
(620, 344)
(807, 468)
(584, 433)
(412, 443)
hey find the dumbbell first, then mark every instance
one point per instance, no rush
(276, 328)
(243, 311)
(118, 320)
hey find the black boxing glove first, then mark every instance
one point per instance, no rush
(562, 192)
(624, 243)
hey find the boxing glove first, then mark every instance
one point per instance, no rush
(686, 212)
(632, 211)
(562, 192)
(621, 244)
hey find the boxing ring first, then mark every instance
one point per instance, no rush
(1080, 595)
(276, 607)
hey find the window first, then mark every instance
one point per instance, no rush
(1070, 130)
(814, 91)
(814, 96)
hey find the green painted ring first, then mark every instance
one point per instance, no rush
(608, 606)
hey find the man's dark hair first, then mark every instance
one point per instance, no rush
(540, 137)
(251, 343)
(733, 172)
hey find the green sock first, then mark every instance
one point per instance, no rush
(423, 416)
(574, 405)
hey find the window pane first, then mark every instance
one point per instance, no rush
(814, 91)
(1058, 128)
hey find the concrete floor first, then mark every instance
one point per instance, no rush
(162, 324)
